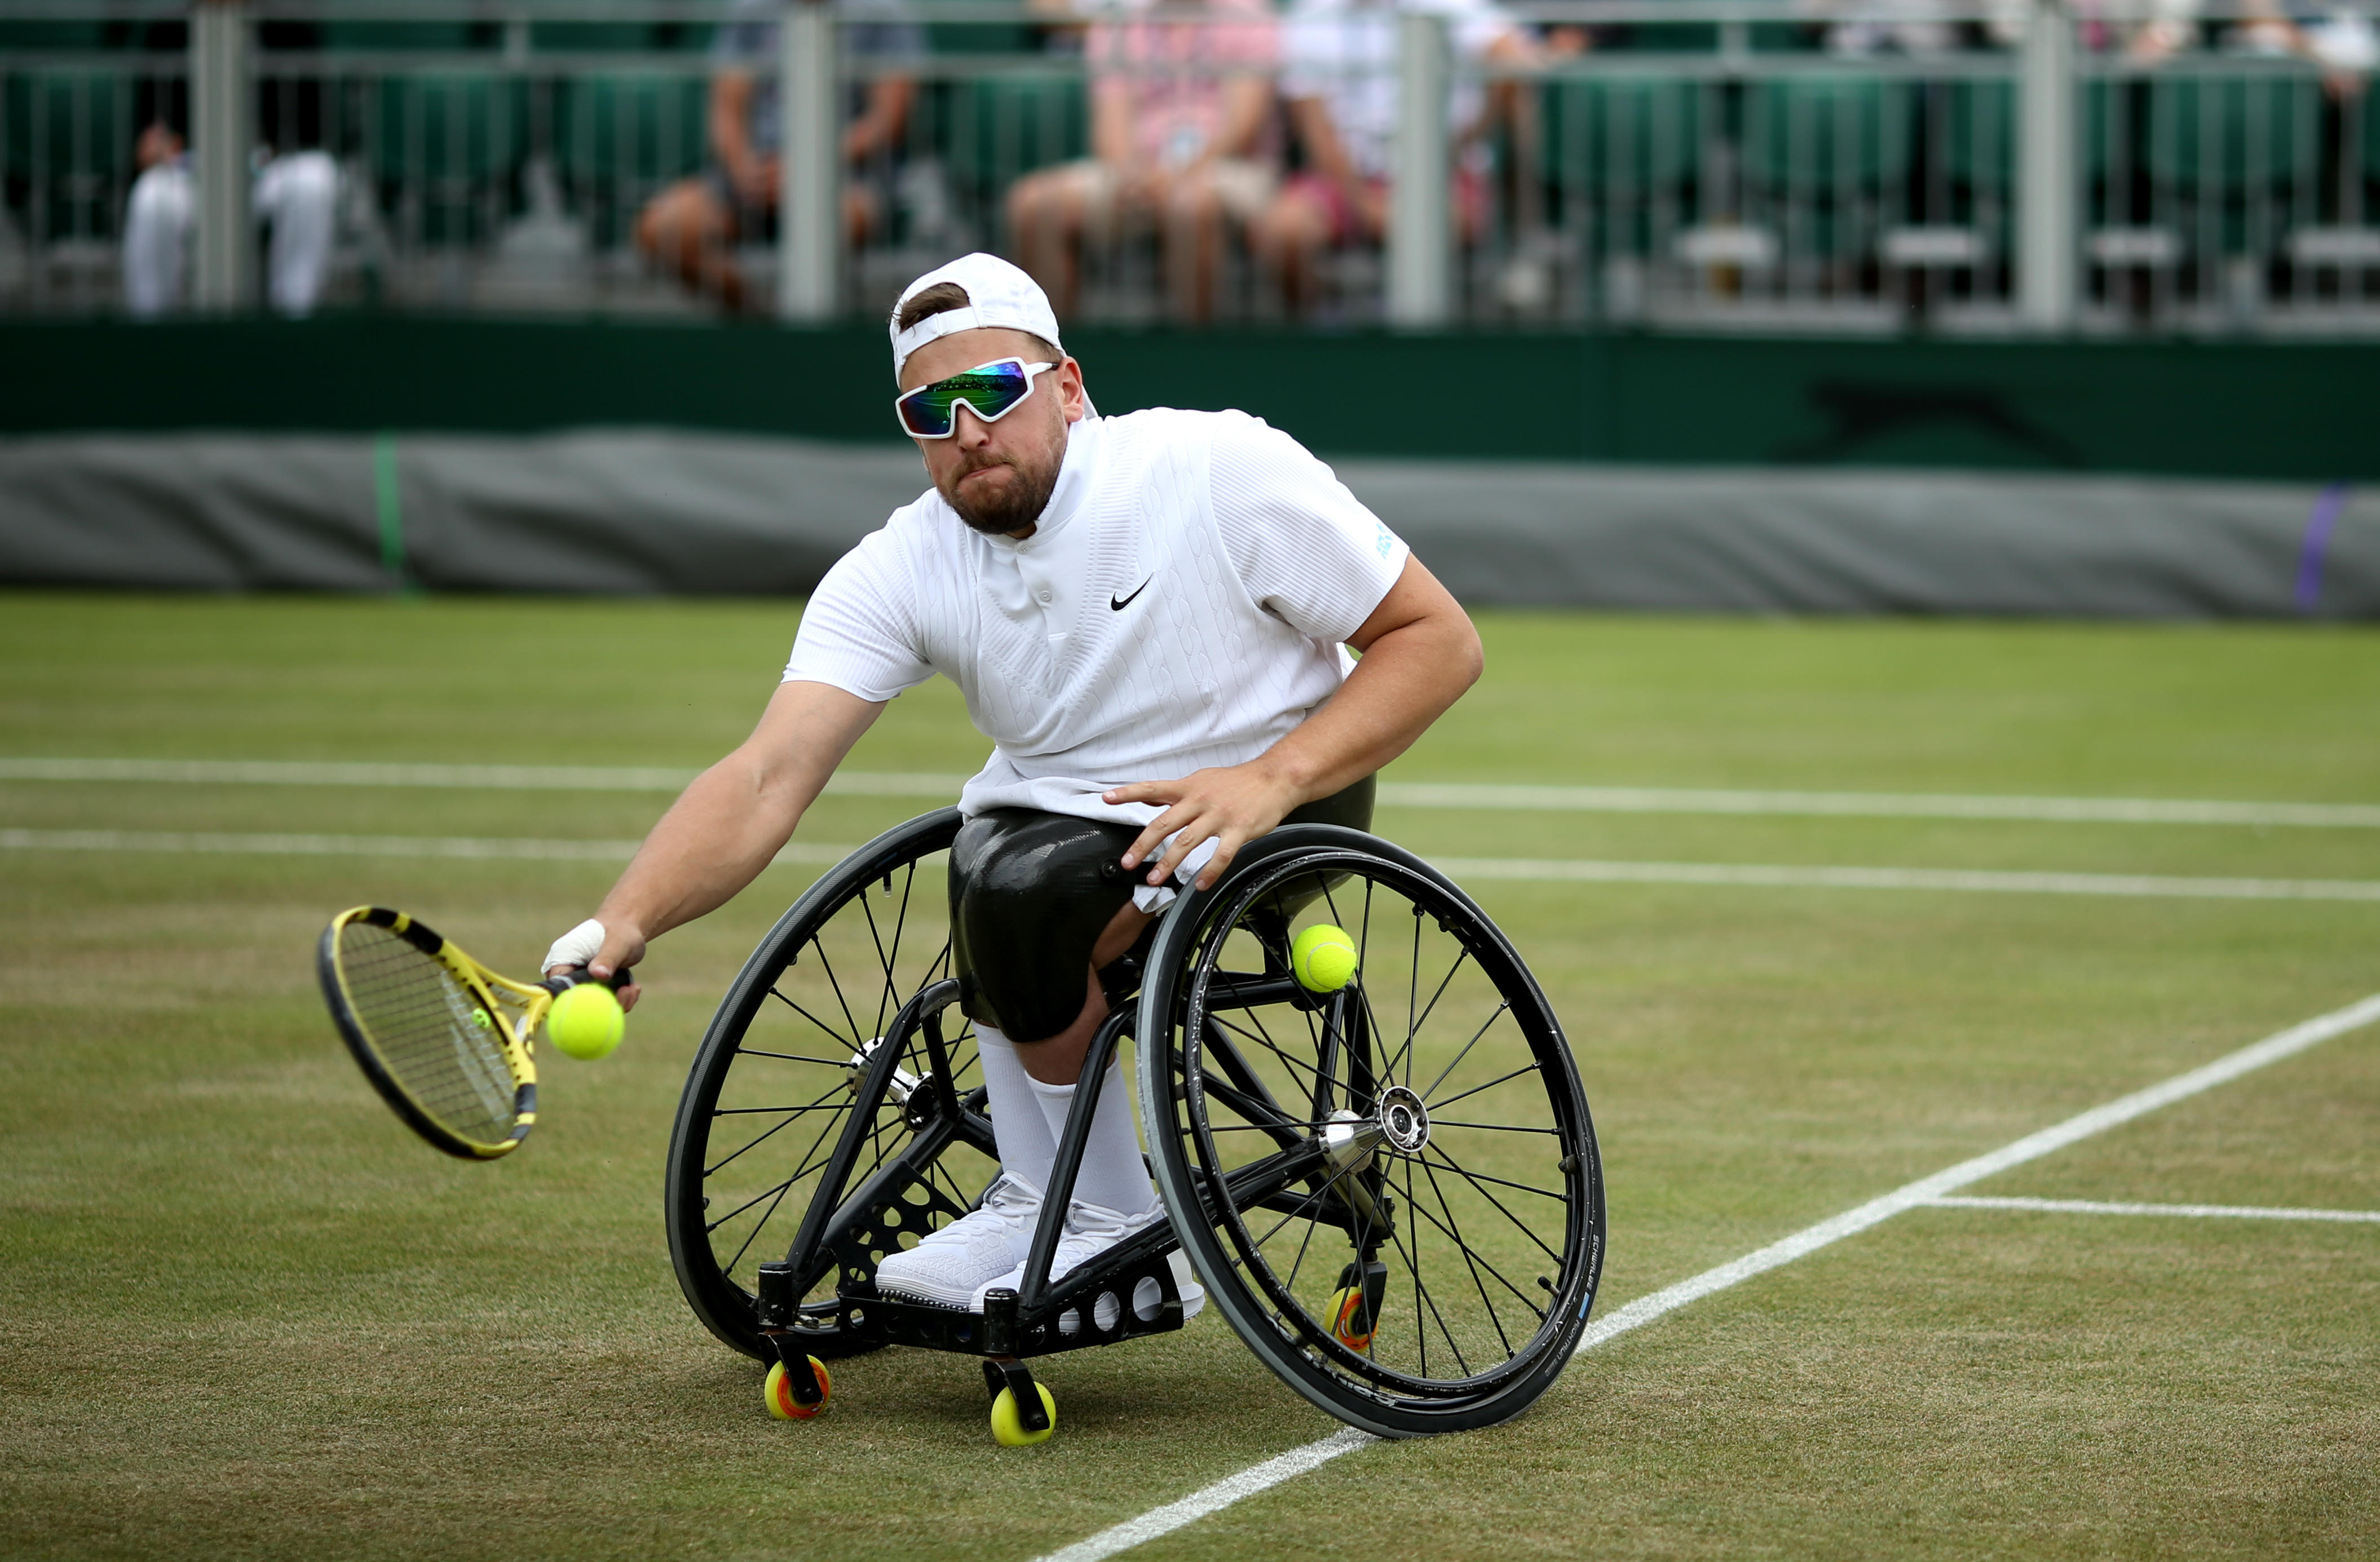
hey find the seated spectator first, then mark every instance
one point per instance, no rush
(1180, 101)
(1339, 77)
(296, 194)
(693, 226)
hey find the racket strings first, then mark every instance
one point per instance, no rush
(433, 1033)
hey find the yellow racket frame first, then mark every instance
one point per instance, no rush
(496, 994)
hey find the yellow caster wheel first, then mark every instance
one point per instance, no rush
(1347, 1319)
(780, 1393)
(1008, 1427)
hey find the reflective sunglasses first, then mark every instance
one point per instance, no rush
(991, 391)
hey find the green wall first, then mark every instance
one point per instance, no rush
(2297, 411)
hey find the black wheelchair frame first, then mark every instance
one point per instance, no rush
(1340, 1125)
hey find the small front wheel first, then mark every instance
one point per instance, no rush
(1008, 1426)
(778, 1393)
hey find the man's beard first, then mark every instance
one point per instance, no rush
(1016, 506)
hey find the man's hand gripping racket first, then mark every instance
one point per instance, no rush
(445, 1041)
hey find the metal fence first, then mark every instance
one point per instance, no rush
(1873, 165)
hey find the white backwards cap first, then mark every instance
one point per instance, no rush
(999, 296)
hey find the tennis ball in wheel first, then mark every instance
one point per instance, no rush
(586, 1022)
(1323, 957)
(778, 1392)
(1008, 1430)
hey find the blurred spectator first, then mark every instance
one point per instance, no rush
(2343, 44)
(1181, 100)
(693, 226)
(1863, 29)
(1338, 77)
(296, 194)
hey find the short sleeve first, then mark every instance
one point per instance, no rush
(1307, 549)
(859, 632)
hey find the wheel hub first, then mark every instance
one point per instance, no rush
(1404, 1122)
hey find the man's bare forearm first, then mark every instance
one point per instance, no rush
(715, 840)
(1409, 677)
(732, 820)
(1420, 654)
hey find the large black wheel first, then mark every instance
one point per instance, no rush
(785, 1068)
(1391, 1191)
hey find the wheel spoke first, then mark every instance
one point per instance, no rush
(1470, 1261)
(1500, 1182)
(816, 1021)
(804, 1167)
(1413, 1005)
(821, 1105)
(1492, 1199)
(1452, 972)
(827, 962)
(1530, 1068)
(900, 926)
(759, 1226)
(1314, 1200)
(1265, 1042)
(1424, 1301)
(1502, 1007)
(795, 1057)
(1457, 1239)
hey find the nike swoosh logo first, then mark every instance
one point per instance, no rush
(1119, 604)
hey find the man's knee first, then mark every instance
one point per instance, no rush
(1034, 901)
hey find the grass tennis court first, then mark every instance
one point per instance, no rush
(244, 1312)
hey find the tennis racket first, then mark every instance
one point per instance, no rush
(444, 1040)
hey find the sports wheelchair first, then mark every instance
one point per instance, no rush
(1390, 1191)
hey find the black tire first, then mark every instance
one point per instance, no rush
(772, 1086)
(1474, 1242)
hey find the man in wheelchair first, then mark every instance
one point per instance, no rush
(1150, 616)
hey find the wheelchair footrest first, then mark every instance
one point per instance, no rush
(1097, 1309)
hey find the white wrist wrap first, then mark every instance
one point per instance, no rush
(576, 947)
(1150, 899)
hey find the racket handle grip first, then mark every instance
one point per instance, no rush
(577, 974)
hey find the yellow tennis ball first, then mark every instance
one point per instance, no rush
(586, 1022)
(1323, 958)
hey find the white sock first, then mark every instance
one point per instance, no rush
(1027, 1148)
(1112, 1172)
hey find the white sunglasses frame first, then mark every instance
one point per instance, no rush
(1033, 372)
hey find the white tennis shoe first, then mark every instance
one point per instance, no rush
(953, 1267)
(1092, 1229)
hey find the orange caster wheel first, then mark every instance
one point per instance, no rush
(778, 1393)
(1350, 1319)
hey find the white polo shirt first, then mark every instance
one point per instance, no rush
(1180, 603)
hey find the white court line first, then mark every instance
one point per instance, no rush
(1401, 795)
(1924, 1190)
(167, 841)
(1754, 875)
(493, 778)
(2198, 1211)
(1559, 870)
(1223, 1493)
(1880, 804)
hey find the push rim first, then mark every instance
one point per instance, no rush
(1442, 1060)
(775, 1080)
